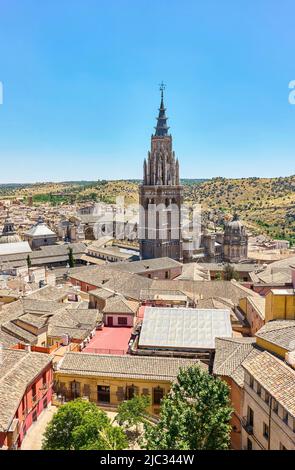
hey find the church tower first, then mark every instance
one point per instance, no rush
(160, 196)
(235, 241)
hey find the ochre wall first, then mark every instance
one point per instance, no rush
(143, 387)
(279, 307)
(266, 345)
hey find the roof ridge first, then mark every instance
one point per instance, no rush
(16, 364)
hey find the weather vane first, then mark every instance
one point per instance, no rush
(162, 87)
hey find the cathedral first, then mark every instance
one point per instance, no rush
(160, 196)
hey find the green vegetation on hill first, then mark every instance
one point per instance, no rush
(266, 205)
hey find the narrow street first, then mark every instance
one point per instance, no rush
(33, 439)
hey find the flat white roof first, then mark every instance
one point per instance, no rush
(13, 248)
(183, 328)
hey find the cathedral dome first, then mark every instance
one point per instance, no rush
(9, 234)
(235, 226)
(9, 238)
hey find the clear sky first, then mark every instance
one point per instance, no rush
(81, 77)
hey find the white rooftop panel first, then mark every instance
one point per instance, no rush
(184, 328)
(13, 248)
(39, 230)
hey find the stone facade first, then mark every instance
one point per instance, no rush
(235, 241)
(160, 197)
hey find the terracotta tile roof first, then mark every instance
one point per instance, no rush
(51, 293)
(259, 304)
(118, 304)
(148, 265)
(196, 290)
(17, 369)
(107, 277)
(276, 377)
(132, 367)
(61, 318)
(230, 353)
(20, 334)
(280, 333)
(77, 323)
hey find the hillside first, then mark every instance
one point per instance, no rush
(267, 205)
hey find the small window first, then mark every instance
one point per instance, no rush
(158, 394)
(285, 417)
(23, 404)
(34, 392)
(259, 389)
(122, 321)
(131, 392)
(276, 407)
(35, 415)
(250, 417)
(267, 398)
(251, 383)
(167, 275)
(265, 431)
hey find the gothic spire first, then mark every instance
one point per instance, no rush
(162, 128)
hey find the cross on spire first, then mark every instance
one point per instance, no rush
(162, 128)
(162, 86)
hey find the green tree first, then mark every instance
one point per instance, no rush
(230, 273)
(133, 412)
(29, 262)
(72, 261)
(194, 415)
(81, 425)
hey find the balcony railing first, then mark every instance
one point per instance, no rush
(34, 398)
(247, 425)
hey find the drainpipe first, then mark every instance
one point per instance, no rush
(269, 423)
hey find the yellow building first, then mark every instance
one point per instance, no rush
(108, 379)
(254, 309)
(280, 305)
(277, 337)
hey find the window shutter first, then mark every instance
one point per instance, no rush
(120, 393)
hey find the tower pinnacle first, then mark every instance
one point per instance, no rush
(162, 128)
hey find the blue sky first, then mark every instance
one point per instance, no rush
(81, 94)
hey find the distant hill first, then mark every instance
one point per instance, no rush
(267, 205)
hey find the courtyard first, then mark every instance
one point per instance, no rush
(34, 436)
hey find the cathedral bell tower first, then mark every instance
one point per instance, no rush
(160, 196)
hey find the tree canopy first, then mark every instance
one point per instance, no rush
(194, 415)
(72, 261)
(133, 412)
(81, 425)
